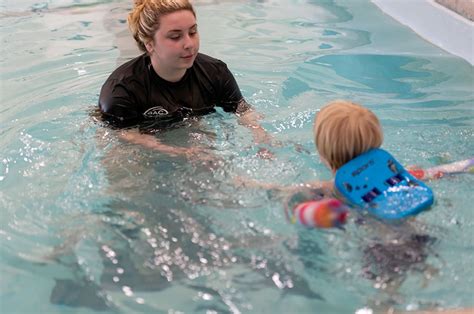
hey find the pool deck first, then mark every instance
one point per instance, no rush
(462, 7)
(446, 23)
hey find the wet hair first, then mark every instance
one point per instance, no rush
(344, 130)
(144, 20)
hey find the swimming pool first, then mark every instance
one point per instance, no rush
(90, 223)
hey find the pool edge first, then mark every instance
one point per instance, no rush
(435, 23)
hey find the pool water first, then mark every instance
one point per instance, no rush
(90, 223)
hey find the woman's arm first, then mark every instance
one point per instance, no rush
(231, 99)
(151, 142)
(249, 119)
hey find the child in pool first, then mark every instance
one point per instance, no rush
(344, 130)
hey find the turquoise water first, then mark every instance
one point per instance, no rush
(90, 223)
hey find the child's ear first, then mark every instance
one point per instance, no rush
(326, 163)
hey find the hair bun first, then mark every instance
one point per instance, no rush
(138, 2)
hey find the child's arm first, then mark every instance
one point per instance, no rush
(464, 166)
(284, 188)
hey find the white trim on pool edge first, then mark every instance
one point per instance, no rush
(434, 23)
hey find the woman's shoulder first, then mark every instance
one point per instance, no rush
(209, 62)
(132, 69)
(212, 70)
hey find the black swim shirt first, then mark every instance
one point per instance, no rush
(134, 93)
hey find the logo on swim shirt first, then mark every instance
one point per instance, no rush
(155, 112)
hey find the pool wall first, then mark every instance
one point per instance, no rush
(445, 23)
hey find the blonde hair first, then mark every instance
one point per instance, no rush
(344, 130)
(144, 20)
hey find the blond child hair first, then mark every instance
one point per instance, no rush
(344, 130)
(144, 20)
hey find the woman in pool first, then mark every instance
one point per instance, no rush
(171, 81)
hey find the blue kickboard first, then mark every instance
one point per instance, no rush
(376, 182)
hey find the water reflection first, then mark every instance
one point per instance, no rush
(174, 225)
(400, 77)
